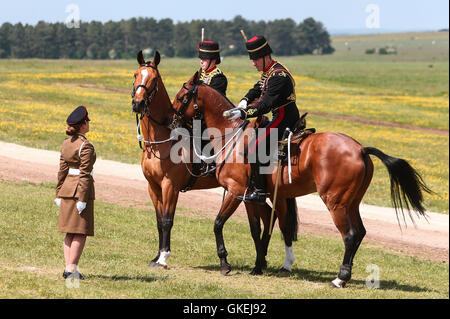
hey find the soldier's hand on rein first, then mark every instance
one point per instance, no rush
(235, 114)
(242, 105)
(81, 206)
(58, 202)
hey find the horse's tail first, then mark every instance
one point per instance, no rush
(291, 220)
(406, 183)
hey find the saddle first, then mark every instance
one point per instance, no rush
(299, 133)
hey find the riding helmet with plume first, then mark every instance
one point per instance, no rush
(258, 47)
(209, 50)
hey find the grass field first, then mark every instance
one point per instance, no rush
(114, 261)
(37, 95)
(408, 88)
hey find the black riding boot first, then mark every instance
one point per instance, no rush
(259, 186)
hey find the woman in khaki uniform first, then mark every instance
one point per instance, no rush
(75, 192)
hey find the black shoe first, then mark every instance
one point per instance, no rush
(66, 274)
(257, 196)
(258, 181)
(76, 275)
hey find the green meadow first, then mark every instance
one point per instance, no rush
(408, 88)
(36, 96)
(115, 259)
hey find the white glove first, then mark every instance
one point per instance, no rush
(242, 105)
(58, 202)
(235, 114)
(81, 206)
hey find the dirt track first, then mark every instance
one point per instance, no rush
(114, 185)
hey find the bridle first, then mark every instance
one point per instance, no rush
(150, 94)
(148, 100)
(180, 115)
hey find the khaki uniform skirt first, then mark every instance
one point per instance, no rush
(70, 221)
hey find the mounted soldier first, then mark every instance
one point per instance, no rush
(274, 92)
(209, 54)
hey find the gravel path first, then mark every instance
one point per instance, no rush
(124, 184)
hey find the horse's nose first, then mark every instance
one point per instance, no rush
(138, 106)
(134, 106)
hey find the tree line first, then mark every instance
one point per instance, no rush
(122, 39)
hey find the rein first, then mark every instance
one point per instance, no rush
(141, 138)
(192, 94)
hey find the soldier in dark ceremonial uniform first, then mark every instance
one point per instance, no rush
(209, 54)
(274, 92)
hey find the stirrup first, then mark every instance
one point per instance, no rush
(254, 197)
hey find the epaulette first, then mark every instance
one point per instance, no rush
(208, 76)
(280, 70)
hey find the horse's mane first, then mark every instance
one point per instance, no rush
(222, 105)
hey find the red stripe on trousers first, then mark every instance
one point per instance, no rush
(268, 130)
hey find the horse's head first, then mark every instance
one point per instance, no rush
(145, 83)
(185, 102)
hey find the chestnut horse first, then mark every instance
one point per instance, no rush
(166, 178)
(332, 164)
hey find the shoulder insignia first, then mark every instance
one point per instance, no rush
(215, 72)
(251, 111)
(207, 77)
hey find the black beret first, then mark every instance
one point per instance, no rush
(79, 115)
(258, 47)
(209, 50)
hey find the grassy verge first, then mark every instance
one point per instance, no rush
(31, 258)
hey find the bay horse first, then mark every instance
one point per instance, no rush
(333, 164)
(166, 179)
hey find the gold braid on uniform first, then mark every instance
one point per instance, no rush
(207, 77)
(280, 70)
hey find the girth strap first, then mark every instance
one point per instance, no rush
(193, 177)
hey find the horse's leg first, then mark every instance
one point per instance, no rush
(156, 196)
(265, 213)
(343, 203)
(353, 233)
(255, 230)
(350, 226)
(287, 229)
(169, 201)
(229, 205)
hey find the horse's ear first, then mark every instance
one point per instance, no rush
(140, 58)
(156, 58)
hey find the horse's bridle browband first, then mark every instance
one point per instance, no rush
(192, 94)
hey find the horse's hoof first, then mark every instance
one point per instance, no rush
(256, 272)
(225, 269)
(154, 264)
(284, 272)
(337, 283)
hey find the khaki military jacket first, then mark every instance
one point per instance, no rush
(75, 178)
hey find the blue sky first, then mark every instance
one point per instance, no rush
(343, 15)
